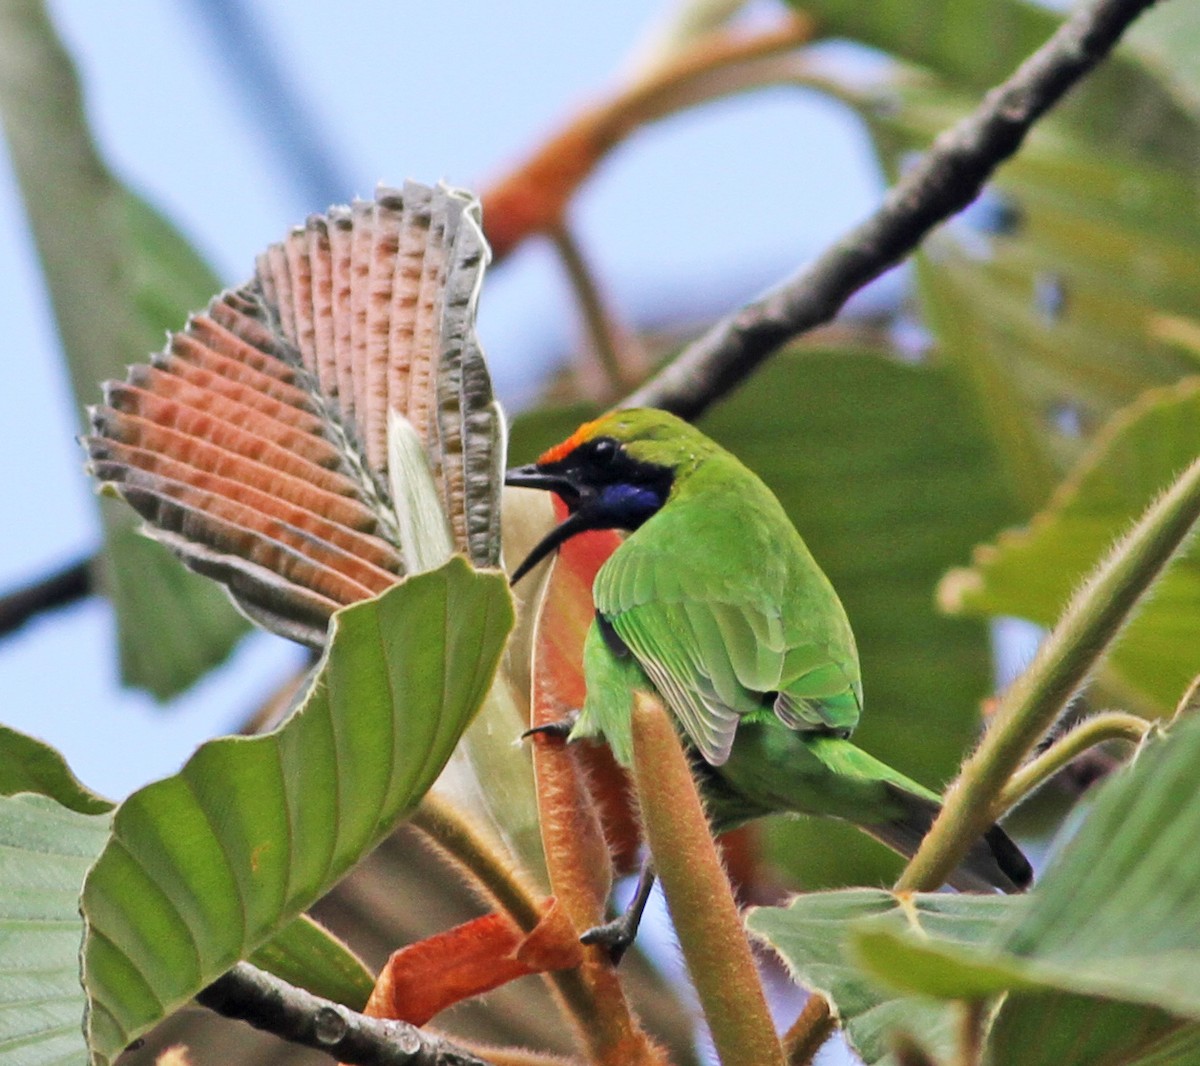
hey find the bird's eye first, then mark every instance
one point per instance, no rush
(604, 450)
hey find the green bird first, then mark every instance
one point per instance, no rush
(714, 602)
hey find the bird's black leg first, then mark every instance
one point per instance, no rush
(559, 730)
(619, 934)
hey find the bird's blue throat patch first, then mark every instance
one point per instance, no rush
(629, 505)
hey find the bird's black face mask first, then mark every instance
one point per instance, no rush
(603, 488)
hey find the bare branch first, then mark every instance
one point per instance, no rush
(58, 589)
(947, 178)
(268, 1003)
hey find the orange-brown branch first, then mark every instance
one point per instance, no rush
(533, 197)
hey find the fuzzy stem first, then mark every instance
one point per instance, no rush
(702, 907)
(447, 827)
(605, 1024)
(1088, 627)
(973, 1015)
(1098, 729)
(809, 1031)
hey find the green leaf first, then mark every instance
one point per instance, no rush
(812, 937)
(29, 765)
(1110, 937)
(1031, 572)
(1116, 910)
(118, 274)
(48, 839)
(889, 477)
(1059, 1029)
(206, 866)
(308, 955)
(45, 851)
(1101, 959)
(51, 830)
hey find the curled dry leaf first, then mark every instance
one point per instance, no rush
(261, 444)
(425, 978)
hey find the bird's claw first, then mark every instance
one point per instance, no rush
(558, 730)
(616, 936)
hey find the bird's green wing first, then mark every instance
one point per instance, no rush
(716, 654)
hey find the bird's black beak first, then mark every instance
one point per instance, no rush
(530, 477)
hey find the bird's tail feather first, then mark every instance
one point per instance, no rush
(994, 861)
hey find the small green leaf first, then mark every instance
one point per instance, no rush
(1031, 572)
(306, 954)
(29, 765)
(207, 866)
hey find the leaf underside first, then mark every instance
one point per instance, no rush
(255, 445)
(45, 851)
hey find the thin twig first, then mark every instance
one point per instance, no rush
(611, 345)
(59, 589)
(577, 854)
(533, 197)
(947, 178)
(271, 1004)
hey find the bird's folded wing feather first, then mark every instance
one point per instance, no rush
(714, 660)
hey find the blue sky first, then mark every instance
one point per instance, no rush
(718, 202)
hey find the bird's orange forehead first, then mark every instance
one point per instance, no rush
(560, 451)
